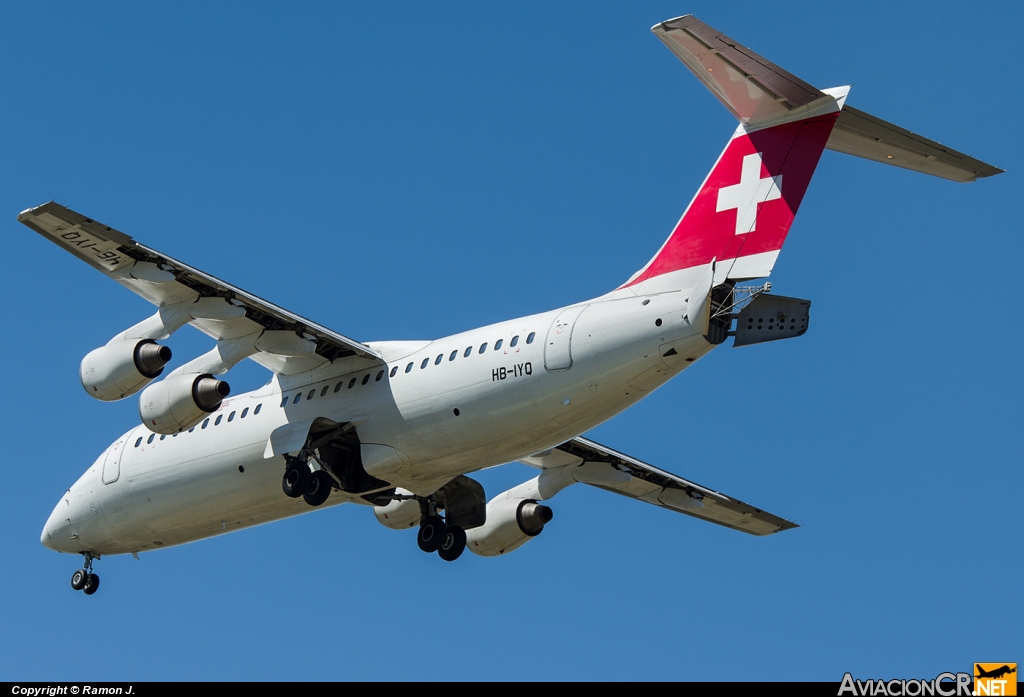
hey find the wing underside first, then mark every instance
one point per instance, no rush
(164, 281)
(658, 487)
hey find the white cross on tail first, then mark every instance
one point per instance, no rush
(746, 195)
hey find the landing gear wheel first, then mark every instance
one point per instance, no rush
(454, 544)
(78, 579)
(296, 479)
(92, 584)
(431, 535)
(319, 488)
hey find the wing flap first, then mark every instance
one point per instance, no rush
(660, 488)
(163, 280)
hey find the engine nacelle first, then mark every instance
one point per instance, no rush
(122, 368)
(180, 401)
(399, 515)
(511, 523)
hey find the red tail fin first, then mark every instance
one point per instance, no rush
(743, 211)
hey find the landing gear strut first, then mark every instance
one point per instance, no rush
(84, 579)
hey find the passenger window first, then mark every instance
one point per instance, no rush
(151, 437)
(338, 386)
(257, 409)
(217, 422)
(497, 344)
(231, 417)
(366, 379)
(469, 350)
(138, 442)
(393, 371)
(408, 367)
(424, 363)
(284, 401)
(244, 412)
(529, 339)
(324, 391)
(206, 423)
(380, 374)
(310, 395)
(515, 340)
(192, 429)
(298, 396)
(483, 347)
(351, 383)
(454, 354)
(162, 437)
(438, 359)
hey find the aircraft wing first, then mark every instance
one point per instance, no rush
(162, 280)
(638, 480)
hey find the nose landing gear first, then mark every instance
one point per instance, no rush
(84, 579)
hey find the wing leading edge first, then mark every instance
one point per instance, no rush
(630, 477)
(163, 280)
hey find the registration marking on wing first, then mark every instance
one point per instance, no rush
(78, 240)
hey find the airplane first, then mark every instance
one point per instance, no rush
(994, 673)
(398, 426)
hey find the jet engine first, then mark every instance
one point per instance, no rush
(511, 523)
(399, 514)
(180, 401)
(122, 368)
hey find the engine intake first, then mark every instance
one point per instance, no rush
(122, 368)
(181, 401)
(511, 523)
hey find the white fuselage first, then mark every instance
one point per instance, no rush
(584, 364)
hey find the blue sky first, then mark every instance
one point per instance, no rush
(398, 172)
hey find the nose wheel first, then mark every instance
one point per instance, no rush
(84, 579)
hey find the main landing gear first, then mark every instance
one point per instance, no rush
(301, 480)
(449, 541)
(84, 579)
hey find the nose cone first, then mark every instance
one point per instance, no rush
(56, 534)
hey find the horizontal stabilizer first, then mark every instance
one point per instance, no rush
(758, 93)
(750, 86)
(861, 134)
